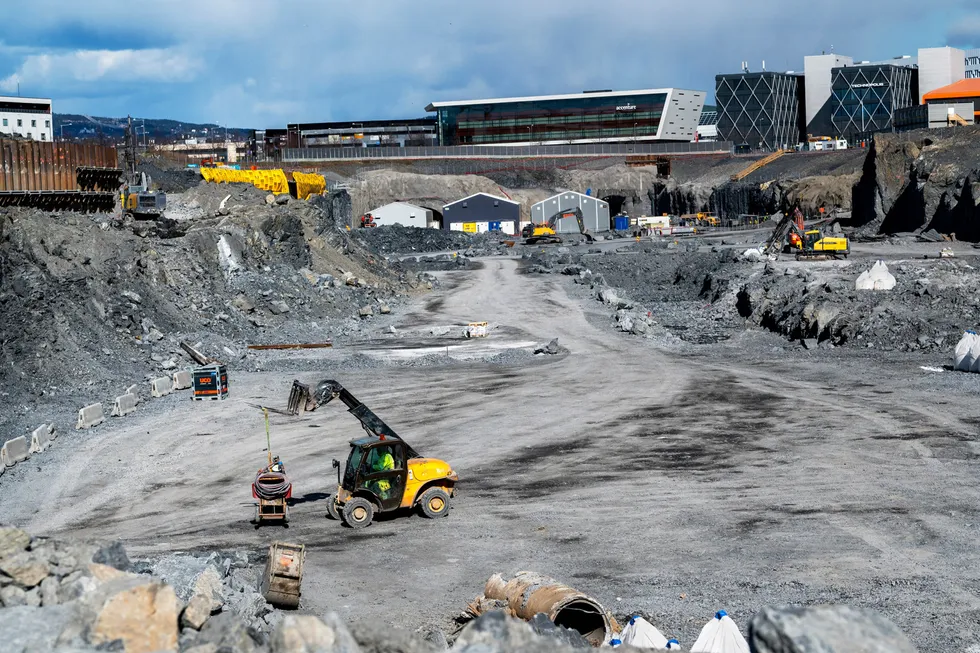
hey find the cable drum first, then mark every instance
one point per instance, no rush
(271, 486)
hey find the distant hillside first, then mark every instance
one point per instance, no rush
(77, 127)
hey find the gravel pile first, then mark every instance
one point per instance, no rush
(90, 304)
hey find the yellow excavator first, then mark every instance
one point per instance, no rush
(790, 235)
(545, 233)
(383, 473)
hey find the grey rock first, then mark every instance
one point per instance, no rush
(545, 627)
(132, 296)
(12, 596)
(372, 639)
(384, 309)
(551, 348)
(49, 591)
(307, 634)
(12, 540)
(435, 637)
(825, 629)
(113, 555)
(226, 630)
(28, 628)
(33, 598)
(154, 335)
(809, 343)
(495, 632)
(282, 200)
(278, 307)
(366, 311)
(27, 569)
(196, 612)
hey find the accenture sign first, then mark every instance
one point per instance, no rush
(626, 107)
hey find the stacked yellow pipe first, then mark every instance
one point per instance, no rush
(273, 181)
(309, 184)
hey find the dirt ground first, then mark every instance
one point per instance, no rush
(673, 481)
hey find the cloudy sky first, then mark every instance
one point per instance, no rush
(263, 63)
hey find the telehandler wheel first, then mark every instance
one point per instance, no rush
(358, 512)
(435, 503)
(332, 512)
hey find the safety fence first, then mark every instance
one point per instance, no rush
(38, 166)
(504, 151)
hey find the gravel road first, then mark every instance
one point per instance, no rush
(671, 482)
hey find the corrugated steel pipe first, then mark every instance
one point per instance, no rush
(530, 593)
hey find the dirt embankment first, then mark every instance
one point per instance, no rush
(927, 179)
(92, 304)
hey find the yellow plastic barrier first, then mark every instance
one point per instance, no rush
(309, 184)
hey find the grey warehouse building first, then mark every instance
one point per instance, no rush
(484, 211)
(762, 110)
(865, 98)
(595, 212)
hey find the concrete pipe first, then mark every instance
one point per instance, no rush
(530, 593)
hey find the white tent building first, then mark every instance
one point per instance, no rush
(595, 212)
(405, 214)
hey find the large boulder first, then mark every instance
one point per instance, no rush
(32, 629)
(26, 568)
(308, 634)
(825, 629)
(140, 613)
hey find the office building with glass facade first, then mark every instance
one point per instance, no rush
(658, 115)
(865, 98)
(764, 110)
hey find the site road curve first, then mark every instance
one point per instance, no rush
(672, 481)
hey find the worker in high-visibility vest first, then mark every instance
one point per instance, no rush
(383, 462)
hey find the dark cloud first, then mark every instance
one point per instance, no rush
(244, 63)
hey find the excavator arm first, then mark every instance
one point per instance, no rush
(328, 390)
(579, 218)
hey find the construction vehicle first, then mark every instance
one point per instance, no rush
(138, 201)
(790, 235)
(383, 473)
(367, 220)
(546, 232)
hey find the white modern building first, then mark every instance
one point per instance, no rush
(26, 117)
(818, 78)
(938, 68)
(603, 116)
(405, 214)
(595, 212)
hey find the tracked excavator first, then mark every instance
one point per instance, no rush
(790, 235)
(383, 473)
(545, 233)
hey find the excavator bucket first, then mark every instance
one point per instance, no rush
(299, 398)
(283, 574)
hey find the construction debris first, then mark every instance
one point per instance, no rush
(529, 594)
(307, 345)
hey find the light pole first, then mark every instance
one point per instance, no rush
(530, 137)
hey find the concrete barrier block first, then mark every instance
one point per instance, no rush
(135, 391)
(183, 380)
(161, 387)
(124, 405)
(15, 451)
(41, 437)
(90, 416)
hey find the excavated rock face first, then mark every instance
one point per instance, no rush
(920, 180)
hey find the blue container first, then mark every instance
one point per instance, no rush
(495, 226)
(621, 223)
